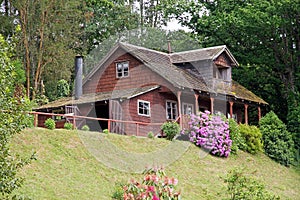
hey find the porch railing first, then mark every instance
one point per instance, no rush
(109, 121)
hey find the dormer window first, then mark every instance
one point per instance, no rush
(122, 69)
(222, 73)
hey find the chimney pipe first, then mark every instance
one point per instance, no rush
(78, 76)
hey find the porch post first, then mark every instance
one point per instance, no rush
(36, 119)
(231, 108)
(259, 113)
(246, 113)
(179, 107)
(212, 105)
(196, 104)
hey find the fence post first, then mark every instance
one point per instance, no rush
(137, 129)
(74, 122)
(36, 118)
(108, 125)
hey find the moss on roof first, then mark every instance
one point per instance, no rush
(94, 97)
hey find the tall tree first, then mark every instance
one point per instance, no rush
(50, 38)
(260, 32)
(105, 18)
(13, 120)
(7, 17)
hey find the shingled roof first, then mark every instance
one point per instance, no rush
(160, 63)
(210, 53)
(164, 65)
(94, 97)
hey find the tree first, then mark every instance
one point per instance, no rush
(106, 18)
(51, 37)
(278, 142)
(7, 17)
(259, 32)
(13, 120)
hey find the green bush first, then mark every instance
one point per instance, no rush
(68, 126)
(239, 186)
(106, 131)
(238, 142)
(85, 128)
(170, 129)
(293, 125)
(150, 135)
(118, 191)
(278, 142)
(50, 124)
(253, 138)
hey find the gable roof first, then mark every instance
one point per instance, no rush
(210, 53)
(164, 65)
(160, 63)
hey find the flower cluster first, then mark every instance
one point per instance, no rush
(155, 186)
(211, 133)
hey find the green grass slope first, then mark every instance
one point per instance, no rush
(86, 165)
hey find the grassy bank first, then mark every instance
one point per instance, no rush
(86, 165)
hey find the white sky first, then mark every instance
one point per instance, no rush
(174, 25)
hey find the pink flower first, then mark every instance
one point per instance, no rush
(154, 178)
(174, 181)
(155, 197)
(150, 188)
(147, 178)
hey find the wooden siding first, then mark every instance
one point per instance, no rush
(157, 108)
(139, 76)
(223, 60)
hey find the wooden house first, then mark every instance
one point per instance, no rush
(133, 83)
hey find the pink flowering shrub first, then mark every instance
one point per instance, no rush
(155, 186)
(211, 133)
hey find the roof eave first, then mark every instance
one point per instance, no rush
(234, 61)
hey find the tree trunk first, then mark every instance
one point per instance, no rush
(24, 21)
(40, 53)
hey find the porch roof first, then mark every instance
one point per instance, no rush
(94, 97)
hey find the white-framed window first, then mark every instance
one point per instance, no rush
(171, 109)
(144, 108)
(122, 69)
(187, 108)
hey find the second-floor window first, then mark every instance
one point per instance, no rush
(222, 73)
(122, 69)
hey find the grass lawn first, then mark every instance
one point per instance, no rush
(87, 165)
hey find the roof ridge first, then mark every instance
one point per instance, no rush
(202, 49)
(144, 48)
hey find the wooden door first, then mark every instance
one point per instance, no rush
(116, 112)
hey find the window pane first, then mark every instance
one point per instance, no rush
(122, 69)
(119, 66)
(140, 111)
(144, 108)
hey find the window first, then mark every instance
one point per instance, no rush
(122, 69)
(144, 108)
(171, 109)
(187, 108)
(221, 73)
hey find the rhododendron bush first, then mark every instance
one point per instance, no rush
(155, 186)
(211, 133)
